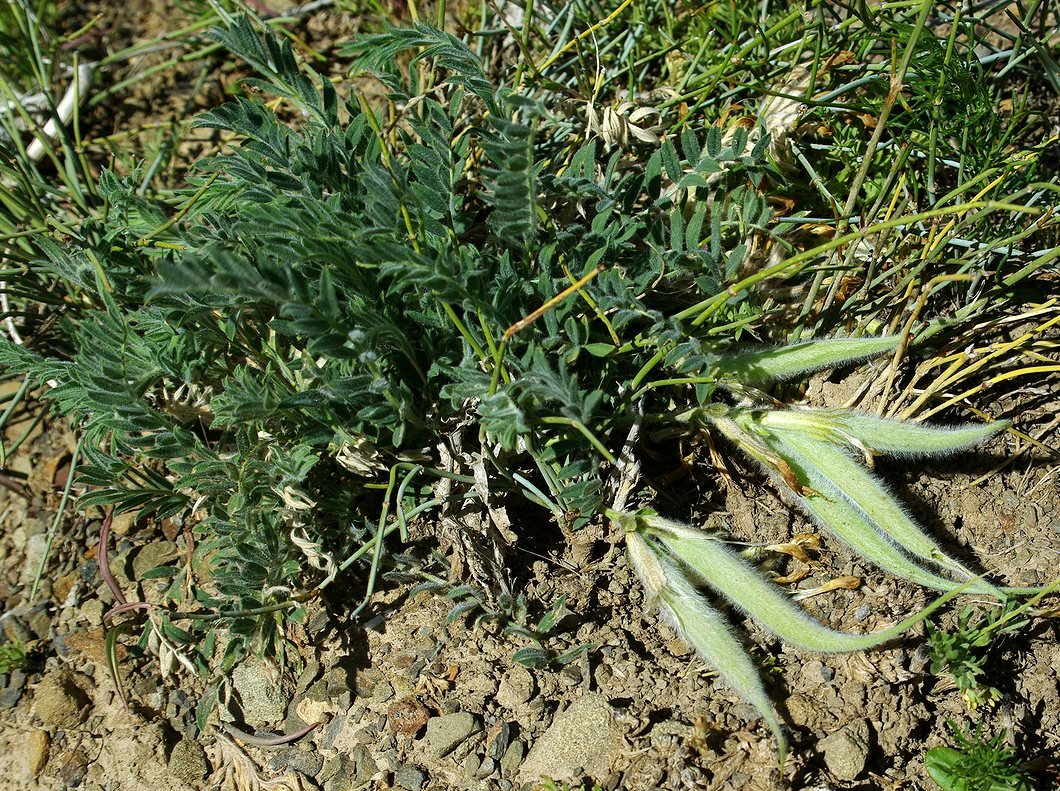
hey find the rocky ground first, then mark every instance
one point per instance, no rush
(409, 699)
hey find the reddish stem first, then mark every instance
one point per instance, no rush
(104, 563)
(268, 741)
(14, 486)
(84, 38)
(126, 607)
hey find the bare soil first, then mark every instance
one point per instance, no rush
(384, 684)
(376, 683)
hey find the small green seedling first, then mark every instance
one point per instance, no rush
(976, 764)
(12, 656)
(537, 655)
(962, 653)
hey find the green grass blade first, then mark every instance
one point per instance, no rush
(702, 627)
(110, 644)
(801, 358)
(725, 571)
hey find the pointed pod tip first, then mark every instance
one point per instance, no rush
(782, 743)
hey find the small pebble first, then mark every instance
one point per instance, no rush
(306, 762)
(486, 768)
(12, 690)
(187, 762)
(381, 693)
(447, 732)
(499, 737)
(37, 751)
(332, 731)
(847, 750)
(471, 764)
(410, 777)
(512, 758)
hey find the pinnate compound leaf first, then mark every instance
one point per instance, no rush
(512, 182)
(378, 53)
(502, 419)
(274, 59)
(39, 369)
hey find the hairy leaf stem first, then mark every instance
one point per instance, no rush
(584, 430)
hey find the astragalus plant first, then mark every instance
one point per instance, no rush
(462, 307)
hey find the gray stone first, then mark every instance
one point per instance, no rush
(513, 757)
(516, 688)
(307, 676)
(410, 777)
(14, 629)
(499, 737)
(92, 611)
(122, 524)
(471, 764)
(306, 762)
(187, 762)
(847, 750)
(445, 733)
(88, 570)
(365, 765)
(39, 621)
(16, 682)
(261, 698)
(584, 739)
(59, 700)
(338, 768)
(485, 769)
(318, 623)
(35, 548)
(332, 731)
(152, 556)
(365, 684)
(349, 772)
(382, 692)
